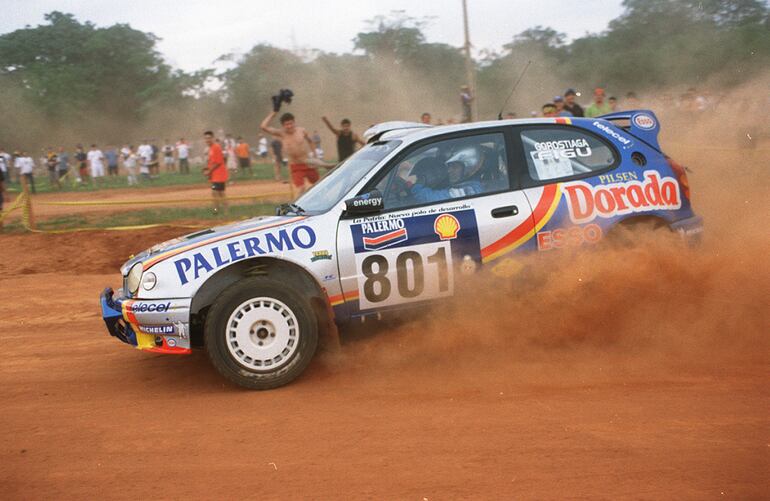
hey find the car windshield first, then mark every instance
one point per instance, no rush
(330, 190)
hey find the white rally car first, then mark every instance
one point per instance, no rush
(396, 224)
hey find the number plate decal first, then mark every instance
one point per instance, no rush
(408, 257)
(403, 275)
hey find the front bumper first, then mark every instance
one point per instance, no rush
(690, 229)
(158, 326)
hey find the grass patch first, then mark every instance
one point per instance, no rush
(261, 171)
(166, 215)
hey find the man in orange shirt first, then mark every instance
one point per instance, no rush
(244, 157)
(216, 171)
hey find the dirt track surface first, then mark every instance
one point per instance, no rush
(199, 194)
(621, 373)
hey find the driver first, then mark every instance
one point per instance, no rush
(432, 180)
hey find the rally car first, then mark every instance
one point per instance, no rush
(400, 223)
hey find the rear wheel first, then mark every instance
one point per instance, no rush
(642, 232)
(260, 333)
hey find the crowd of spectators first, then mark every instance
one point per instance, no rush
(143, 163)
(138, 164)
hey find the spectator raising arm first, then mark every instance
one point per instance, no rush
(334, 130)
(265, 125)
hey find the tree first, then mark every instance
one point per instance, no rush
(67, 68)
(397, 37)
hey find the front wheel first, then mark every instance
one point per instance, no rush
(260, 333)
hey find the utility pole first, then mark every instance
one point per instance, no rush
(470, 72)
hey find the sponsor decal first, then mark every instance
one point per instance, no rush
(150, 307)
(586, 202)
(157, 329)
(618, 177)
(383, 233)
(446, 226)
(644, 121)
(319, 255)
(209, 259)
(453, 224)
(181, 329)
(171, 342)
(367, 201)
(612, 133)
(566, 148)
(328, 278)
(569, 237)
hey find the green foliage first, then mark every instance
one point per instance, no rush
(114, 76)
(67, 68)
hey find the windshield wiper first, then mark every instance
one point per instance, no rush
(285, 209)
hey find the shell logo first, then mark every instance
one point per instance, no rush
(446, 226)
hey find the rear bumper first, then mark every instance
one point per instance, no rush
(690, 229)
(158, 326)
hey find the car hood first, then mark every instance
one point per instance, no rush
(206, 235)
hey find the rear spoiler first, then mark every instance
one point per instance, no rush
(374, 132)
(643, 124)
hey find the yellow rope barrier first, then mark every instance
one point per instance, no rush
(24, 202)
(156, 202)
(17, 204)
(121, 228)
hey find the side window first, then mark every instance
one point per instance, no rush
(446, 170)
(561, 152)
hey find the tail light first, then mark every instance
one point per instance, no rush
(681, 175)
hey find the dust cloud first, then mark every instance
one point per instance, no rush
(657, 306)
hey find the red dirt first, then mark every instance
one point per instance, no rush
(636, 374)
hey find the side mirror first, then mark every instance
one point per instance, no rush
(365, 204)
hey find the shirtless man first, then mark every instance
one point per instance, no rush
(297, 145)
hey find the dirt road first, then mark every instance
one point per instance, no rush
(186, 195)
(633, 374)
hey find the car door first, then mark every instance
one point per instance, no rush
(564, 162)
(435, 227)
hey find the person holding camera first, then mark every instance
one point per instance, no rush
(295, 143)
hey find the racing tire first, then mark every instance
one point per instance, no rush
(260, 333)
(643, 232)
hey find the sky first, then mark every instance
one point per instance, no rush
(194, 33)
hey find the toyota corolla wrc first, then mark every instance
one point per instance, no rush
(400, 223)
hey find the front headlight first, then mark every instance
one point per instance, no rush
(134, 277)
(149, 280)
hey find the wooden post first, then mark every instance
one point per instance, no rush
(470, 73)
(27, 218)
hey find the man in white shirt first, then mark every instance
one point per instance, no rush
(229, 150)
(18, 159)
(183, 154)
(262, 151)
(5, 160)
(125, 151)
(145, 156)
(26, 166)
(168, 156)
(96, 163)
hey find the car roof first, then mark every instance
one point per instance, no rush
(414, 131)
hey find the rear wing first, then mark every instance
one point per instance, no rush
(373, 133)
(642, 124)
